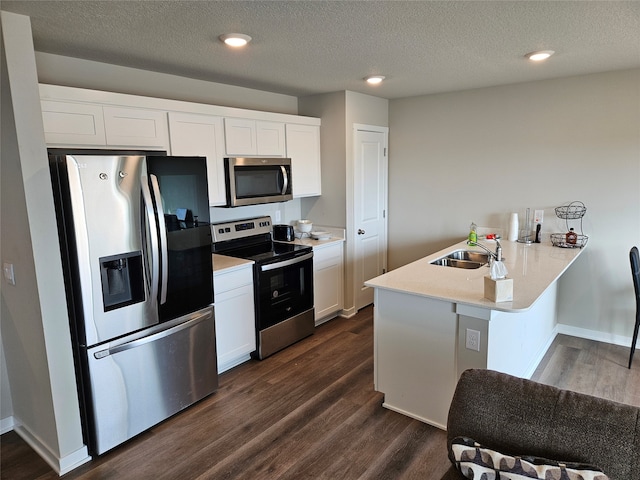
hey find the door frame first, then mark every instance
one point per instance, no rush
(351, 244)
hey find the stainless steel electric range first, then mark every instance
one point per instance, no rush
(282, 281)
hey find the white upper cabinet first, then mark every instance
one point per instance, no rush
(271, 139)
(84, 124)
(201, 135)
(254, 137)
(136, 128)
(82, 118)
(303, 147)
(73, 123)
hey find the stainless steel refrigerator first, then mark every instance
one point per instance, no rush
(135, 244)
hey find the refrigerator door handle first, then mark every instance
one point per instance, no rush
(155, 336)
(153, 237)
(162, 229)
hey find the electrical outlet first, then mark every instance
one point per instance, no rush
(537, 216)
(473, 340)
(278, 216)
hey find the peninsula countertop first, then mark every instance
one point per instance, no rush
(533, 268)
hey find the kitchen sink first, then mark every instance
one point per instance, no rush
(452, 262)
(463, 259)
(472, 256)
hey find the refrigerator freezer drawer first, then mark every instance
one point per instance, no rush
(138, 383)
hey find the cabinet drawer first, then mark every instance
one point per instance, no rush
(225, 281)
(330, 253)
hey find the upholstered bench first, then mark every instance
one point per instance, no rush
(499, 423)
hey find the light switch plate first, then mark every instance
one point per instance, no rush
(9, 275)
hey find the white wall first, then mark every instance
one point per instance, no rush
(75, 72)
(479, 154)
(35, 330)
(339, 112)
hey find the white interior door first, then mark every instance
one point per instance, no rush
(370, 205)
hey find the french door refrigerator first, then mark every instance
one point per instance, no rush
(135, 243)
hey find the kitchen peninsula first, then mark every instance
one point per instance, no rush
(424, 314)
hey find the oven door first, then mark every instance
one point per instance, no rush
(284, 289)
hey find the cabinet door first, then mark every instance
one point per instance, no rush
(270, 139)
(240, 136)
(201, 135)
(303, 147)
(235, 320)
(327, 281)
(72, 124)
(136, 128)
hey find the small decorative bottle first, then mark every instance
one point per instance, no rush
(572, 237)
(473, 233)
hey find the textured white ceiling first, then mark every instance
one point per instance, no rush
(308, 47)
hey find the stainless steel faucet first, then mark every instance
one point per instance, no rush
(497, 256)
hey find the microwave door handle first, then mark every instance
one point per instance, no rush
(285, 183)
(162, 229)
(153, 237)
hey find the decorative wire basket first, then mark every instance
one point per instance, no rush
(560, 240)
(572, 211)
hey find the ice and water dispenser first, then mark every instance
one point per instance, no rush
(122, 280)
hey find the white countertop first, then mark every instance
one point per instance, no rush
(336, 235)
(224, 263)
(532, 267)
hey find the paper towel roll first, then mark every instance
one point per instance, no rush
(513, 227)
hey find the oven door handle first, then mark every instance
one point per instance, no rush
(286, 263)
(285, 177)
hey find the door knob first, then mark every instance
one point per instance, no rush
(360, 231)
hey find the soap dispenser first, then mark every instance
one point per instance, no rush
(473, 233)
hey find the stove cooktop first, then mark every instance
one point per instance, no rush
(251, 239)
(266, 252)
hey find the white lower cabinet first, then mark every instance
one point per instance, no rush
(327, 281)
(235, 316)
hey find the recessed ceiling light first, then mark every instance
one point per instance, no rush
(374, 79)
(539, 55)
(235, 39)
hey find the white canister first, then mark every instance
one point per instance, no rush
(513, 227)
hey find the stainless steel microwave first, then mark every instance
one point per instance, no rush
(250, 181)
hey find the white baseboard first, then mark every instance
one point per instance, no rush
(6, 424)
(59, 465)
(596, 335)
(348, 312)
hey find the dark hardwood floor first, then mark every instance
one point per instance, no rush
(310, 411)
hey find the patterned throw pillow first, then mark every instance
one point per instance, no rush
(477, 462)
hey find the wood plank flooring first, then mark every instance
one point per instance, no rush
(594, 368)
(310, 412)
